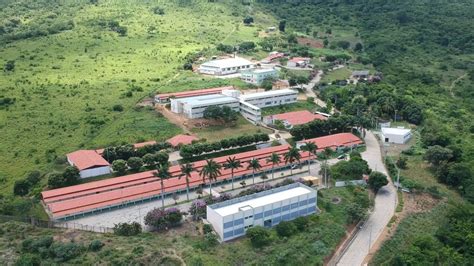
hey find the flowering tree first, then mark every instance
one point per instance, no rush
(163, 219)
(198, 209)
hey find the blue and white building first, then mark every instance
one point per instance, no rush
(256, 76)
(231, 218)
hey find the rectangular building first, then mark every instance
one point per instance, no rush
(225, 66)
(396, 135)
(231, 218)
(193, 107)
(270, 98)
(257, 76)
(165, 97)
(251, 112)
(89, 162)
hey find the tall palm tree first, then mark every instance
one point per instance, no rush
(211, 170)
(232, 163)
(312, 149)
(275, 160)
(163, 173)
(254, 164)
(186, 170)
(291, 156)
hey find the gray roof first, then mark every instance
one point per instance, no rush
(360, 73)
(213, 99)
(267, 94)
(228, 62)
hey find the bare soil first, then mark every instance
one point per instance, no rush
(310, 42)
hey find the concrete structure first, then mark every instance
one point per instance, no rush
(231, 218)
(257, 75)
(360, 74)
(251, 112)
(193, 107)
(291, 119)
(396, 135)
(271, 98)
(315, 181)
(89, 163)
(165, 97)
(225, 66)
(298, 62)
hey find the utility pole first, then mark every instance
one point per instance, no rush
(398, 178)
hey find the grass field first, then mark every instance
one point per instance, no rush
(338, 74)
(298, 106)
(241, 127)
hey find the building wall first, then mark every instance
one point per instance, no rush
(397, 139)
(98, 171)
(251, 113)
(216, 220)
(223, 71)
(193, 112)
(257, 78)
(274, 100)
(236, 225)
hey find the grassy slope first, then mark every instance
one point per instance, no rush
(62, 81)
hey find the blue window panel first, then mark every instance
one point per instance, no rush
(294, 205)
(286, 217)
(276, 220)
(277, 210)
(228, 234)
(239, 231)
(294, 214)
(303, 202)
(268, 213)
(258, 216)
(286, 208)
(311, 209)
(228, 224)
(303, 212)
(239, 221)
(312, 200)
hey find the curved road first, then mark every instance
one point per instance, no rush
(385, 203)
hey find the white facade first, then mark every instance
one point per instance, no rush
(271, 98)
(225, 66)
(231, 219)
(193, 107)
(98, 171)
(251, 112)
(396, 135)
(257, 76)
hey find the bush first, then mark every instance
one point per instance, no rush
(286, 229)
(127, 229)
(259, 236)
(163, 219)
(28, 260)
(198, 209)
(95, 245)
(301, 222)
(117, 108)
(21, 187)
(37, 245)
(9, 66)
(65, 251)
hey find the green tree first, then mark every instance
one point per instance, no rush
(56, 180)
(275, 160)
(259, 236)
(186, 170)
(149, 159)
(135, 163)
(119, 166)
(312, 150)
(437, 154)
(21, 187)
(211, 170)
(254, 164)
(9, 66)
(377, 180)
(162, 172)
(291, 156)
(71, 175)
(286, 229)
(232, 163)
(282, 25)
(355, 213)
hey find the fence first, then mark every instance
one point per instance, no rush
(53, 224)
(351, 182)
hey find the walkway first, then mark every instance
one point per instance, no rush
(309, 89)
(385, 204)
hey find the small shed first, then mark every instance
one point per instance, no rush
(315, 181)
(396, 135)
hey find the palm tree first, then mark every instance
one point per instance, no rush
(211, 170)
(291, 156)
(254, 164)
(232, 163)
(162, 172)
(312, 149)
(186, 170)
(275, 160)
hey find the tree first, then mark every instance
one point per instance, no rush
(286, 229)
(186, 170)
(377, 180)
(267, 83)
(211, 170)
(56, 180)
(259, 236)
(344, 44)
(310, 148)
(246, 46)
(162, 172)
(254, 164)
(119, 166)
(121, 30)
(9, 66)
(282, 25)
(71, 175)
(232, 163)
(437, 154)
(117, 108)
(135, 163)
(275, 160)
(149, 159)
(21, 187)
(358, 47)
(248, 20)
(291, 156)
(355, 213)
(162, 219)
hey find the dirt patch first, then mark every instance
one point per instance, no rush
(336, 200)
(146, 102)
(413, 203)
(309, 42)
(176, 119)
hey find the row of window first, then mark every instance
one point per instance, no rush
(273, 97)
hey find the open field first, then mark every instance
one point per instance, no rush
(298, 106)
(241, 127)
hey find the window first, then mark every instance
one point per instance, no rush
(294, 214)
(229, 234)
(311, 209)
(312, 200)
(303, 212)
(286, 217)
(276, 220)
(268, 213)
(248, 217)
(294, 205)
(238, 221)
(228, 224)
(277, 210)
(303, 202)
(248, 226)
(239, 231)
(286, 208)
(267, 223)
(259, 215)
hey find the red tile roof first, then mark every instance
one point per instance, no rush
(181, 139)
(299, 59)
(335, 140)
(101, 194)
(191, 93)
(86, 159)
(273, 57)
(298, 117)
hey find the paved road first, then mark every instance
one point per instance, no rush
(385, 202)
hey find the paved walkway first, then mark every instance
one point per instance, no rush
(385, 204)
(309, 89)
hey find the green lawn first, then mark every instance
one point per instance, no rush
(339, 74)
(300, 105)
(241, 127)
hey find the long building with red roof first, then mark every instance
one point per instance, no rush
(78, 200)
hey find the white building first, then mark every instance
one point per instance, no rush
(396, 135)
(298, 62)
(270, 98)
(225, 66)
(251, 112)
(231, 218)
(258, 75)
(193, 107)
(89, 163)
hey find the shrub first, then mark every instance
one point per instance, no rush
(301, 223)
(127, 229)
(65, 251)
(95, 245)
(198, 209)
(163, 219)
(21, 187)
(28, 260)
(36, 245)
(259, 236)
(117, 108)
(9, 66)
(286, 229)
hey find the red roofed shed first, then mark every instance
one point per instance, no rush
(89, 163)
